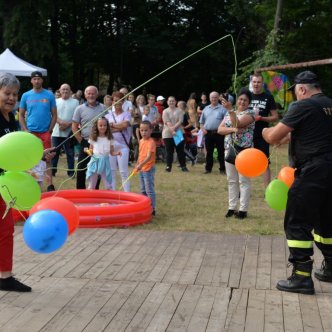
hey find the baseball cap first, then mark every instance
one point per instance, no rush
(36, 74)
(159, 98)
(305, 77)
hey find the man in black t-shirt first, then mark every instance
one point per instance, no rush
(264, 106)
(308, 126)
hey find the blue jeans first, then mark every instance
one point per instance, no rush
(146, 180)
(69, 150)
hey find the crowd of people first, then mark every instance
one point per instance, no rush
(127, 129)
(65, 121)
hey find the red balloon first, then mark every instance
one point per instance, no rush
(286, 175)
(65, 207)
(251, 162)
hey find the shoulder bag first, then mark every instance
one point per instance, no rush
(131, 149)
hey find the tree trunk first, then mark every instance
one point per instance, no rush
(278, 15)
(277, 20)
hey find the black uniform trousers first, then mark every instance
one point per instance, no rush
(308, 215)
(214, 140)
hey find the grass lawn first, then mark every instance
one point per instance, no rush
(195, 201)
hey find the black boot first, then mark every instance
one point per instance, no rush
(300, 281)
(325, 272)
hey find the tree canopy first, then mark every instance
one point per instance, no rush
(126, 42)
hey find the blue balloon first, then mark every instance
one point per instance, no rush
(45, 231)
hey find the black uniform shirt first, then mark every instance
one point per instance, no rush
(7, 127)
(311, 120)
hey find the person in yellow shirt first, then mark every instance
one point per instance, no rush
(146, 163)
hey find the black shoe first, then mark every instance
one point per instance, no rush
(222, 171)
(241, 215)
(71, 174)
(325, 272)
(13, 285)
(230, 213)
(300, 281)
(184, 169)
(154, 212)
(168, 169)
(207, 172)
(50, 188)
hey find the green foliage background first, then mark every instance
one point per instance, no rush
(125, 42)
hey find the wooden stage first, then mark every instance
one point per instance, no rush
(137, 280)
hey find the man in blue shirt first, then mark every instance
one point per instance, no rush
(210, 120)
(38, 115)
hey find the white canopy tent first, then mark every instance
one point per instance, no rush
(10, 63)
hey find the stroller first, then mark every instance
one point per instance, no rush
(190, 148)
(160, 151)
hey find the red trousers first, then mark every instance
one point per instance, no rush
(6, 238)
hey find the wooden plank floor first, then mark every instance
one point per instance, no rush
(137, 280)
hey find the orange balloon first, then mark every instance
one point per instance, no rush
(65, 207)
(251, 162)
(286, 175)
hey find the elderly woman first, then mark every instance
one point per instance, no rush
(9, 86)
(238, 128)
(119, 121)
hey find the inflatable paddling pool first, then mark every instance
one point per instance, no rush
(105, 208)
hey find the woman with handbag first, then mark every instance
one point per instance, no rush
(238, 128)
(119, 121)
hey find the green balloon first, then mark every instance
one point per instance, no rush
(20, 190)
(20, 151)
(276, 195)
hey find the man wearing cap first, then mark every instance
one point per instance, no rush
(308, 126)
(38, 115)
(160, 106)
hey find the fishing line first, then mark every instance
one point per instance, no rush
(135, 89)
(156, 76)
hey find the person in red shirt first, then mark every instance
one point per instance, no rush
(160, 105)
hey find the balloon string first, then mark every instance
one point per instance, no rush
(11, 203)
(274, 151)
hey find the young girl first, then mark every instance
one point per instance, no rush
(101, 147)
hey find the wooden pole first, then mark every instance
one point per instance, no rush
(296, 65)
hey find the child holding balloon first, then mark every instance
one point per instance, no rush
(101, 147)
